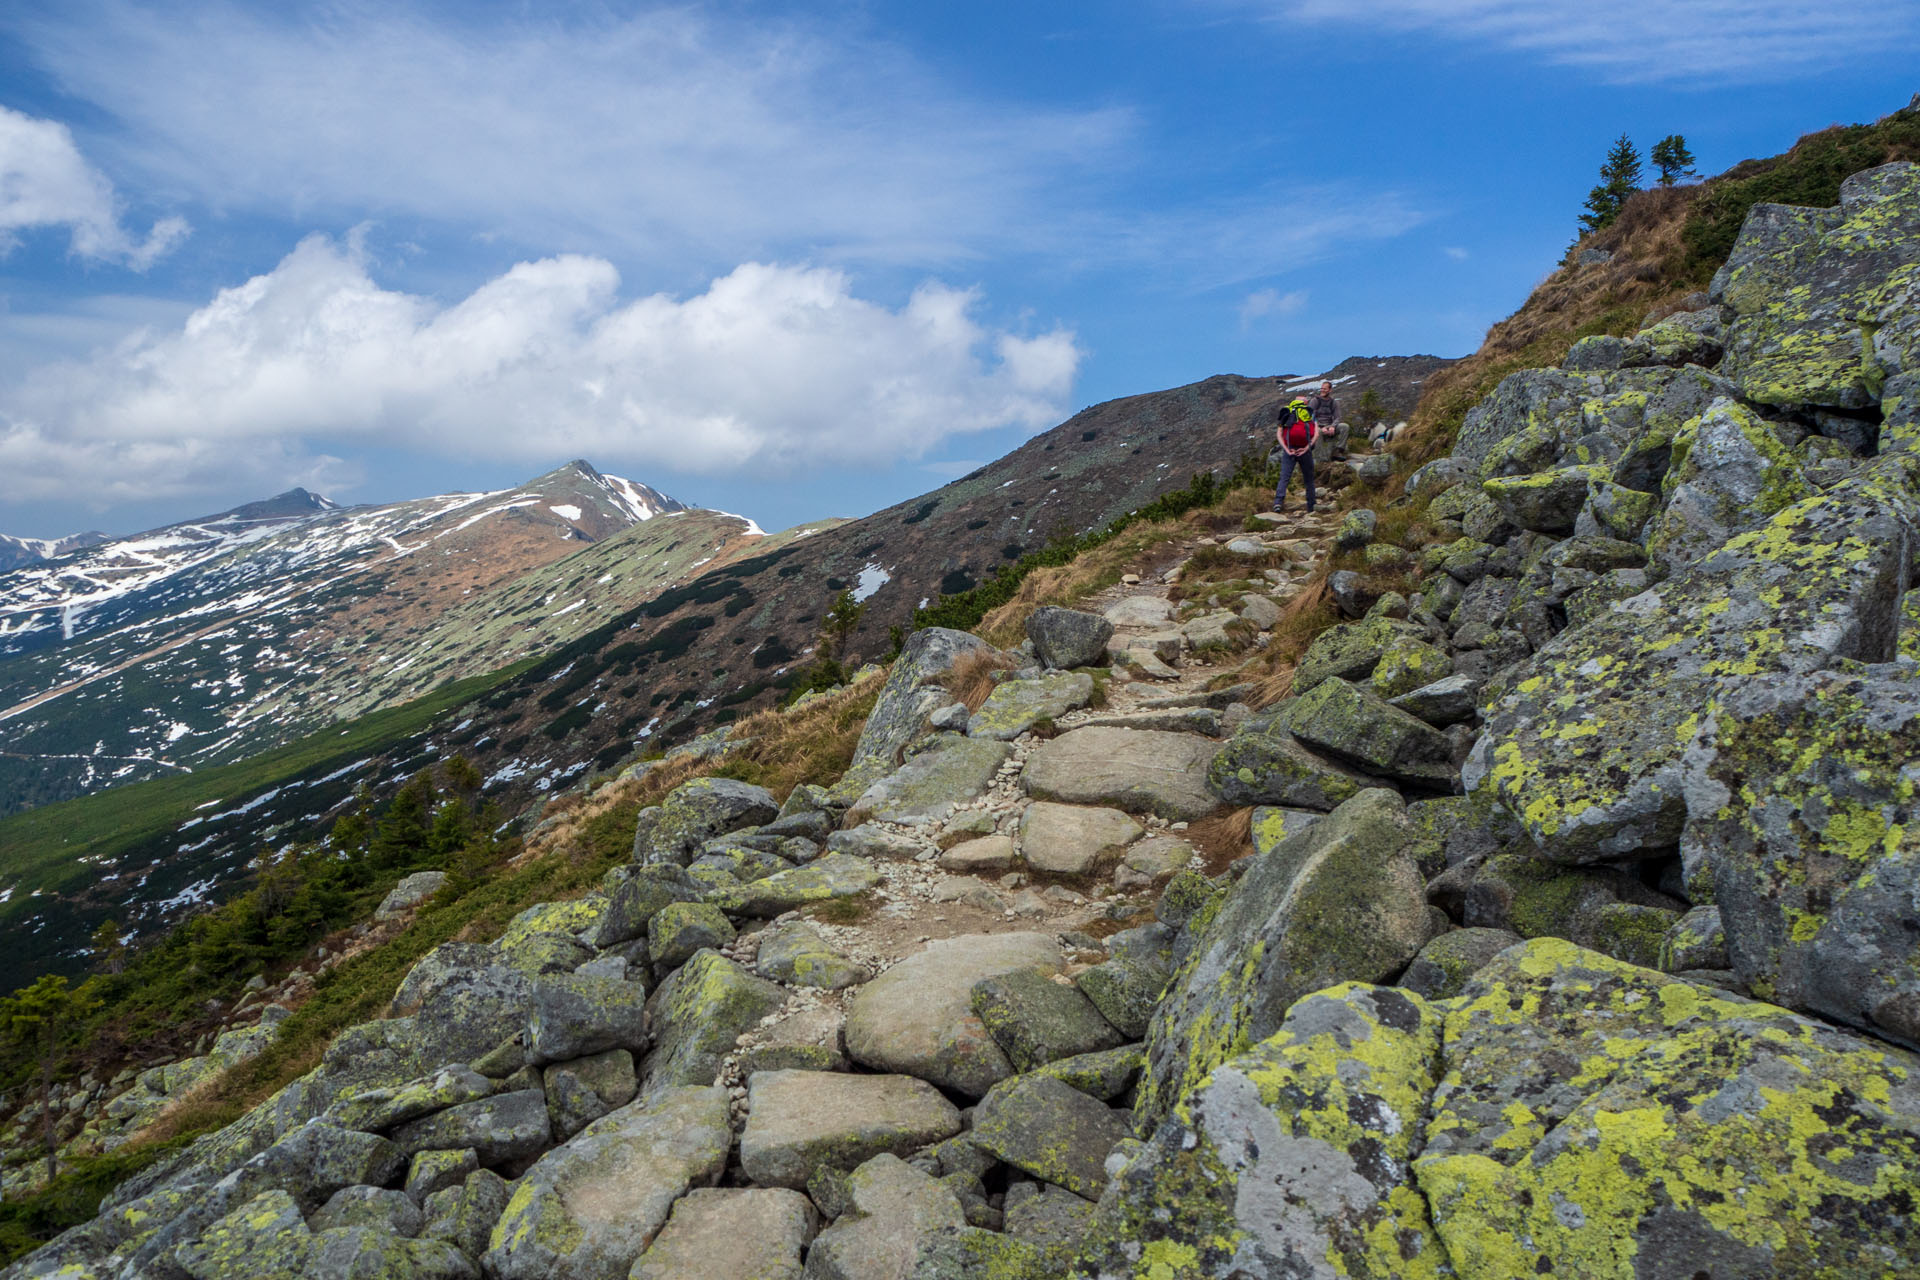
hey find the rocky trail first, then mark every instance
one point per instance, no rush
(1559, 919)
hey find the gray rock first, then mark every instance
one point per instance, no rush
(694, 813)
(732, 1232)
(500, 1129)
(875, 844)
(435, 1171)
(1139, 611)
(1453, 700)
(1259, 610)
(1064, 638)
(1343, 902)
(391, 1211)
(1036, 1019)
(1354, 725)
(375, 1110)
(697, 1015)
(1052, 1217)
(463, 1216)
(1131, 769)
(581, 1091)
(264, 1237)
(1126, 990)
(1152, 862)
(1445, 965)
(1047, 1128)
(798, 1121)
(635, 895)
(1263, 763)
(1352, 594)
(1074, 840)
(682, 928)
(569, 1016)
(1356, 529)
(933, 783)
(369, 1253)
(589, 1207)
(1598, 907)
(794, 952)
(410, 892)
(1698, 941)
(954, 718)
(891, 1208)
(917, 1018)
(987, 854)
(1373, 467)
(1015, 706)
(837, 875)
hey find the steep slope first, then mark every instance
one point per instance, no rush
(16, 552)
(210, 640)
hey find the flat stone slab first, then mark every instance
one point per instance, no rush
(917, 1018)
(1139, 770)
(802, 1121)
(1073, 840)
(1049, 1129)
(746, 1232)
(931, 785)
(1017, 705)
(1200, 720)
(797, 954)
(989, 853)
(1139, 611)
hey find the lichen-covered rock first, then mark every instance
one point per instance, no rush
(1546, 501)
(1350, 650)
(1812, 290)
(464, 1215)
(1539, 899)
(1615, 511)
(581, 1091)
(570, 1016)
(1138, 770)
(1015, 706)
(592, 1205)
(1263, 763)
(434, 1171)
(1152, 862)
(1407, 665)
(736, 1232)
(697, 1015)
(1108, 1075)
(1047, 1128)
(369, 1253)
(1068, 638)
(392, 1211)
(1696, 941)
(1356, 529)
(695, 812)
(891, 1208)
(1293, 1159)
(1728, 472)
(917, 1017)
(1446, 702)
(634, 896)
(410, 892)
(1352, 724)
(1074, 840)
(1036, 1020)
(1342, 902)
(799, 1121)
(1126, 990)
(1815, 852)
(794, 952)
(933, 783)
(462, 1001)
(682, 928)
(1444, 965)
(838, 875)
(1688, 1130)
(1585, 746)
(265, 1238)
(374, 1110)
(500, 1129)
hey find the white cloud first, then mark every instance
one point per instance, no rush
(46, 182)
(772, 369)
(1456, 253)
(1269, 302)
(1636, 41)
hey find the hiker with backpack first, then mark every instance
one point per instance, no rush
(1326, 418)
(1297, 432)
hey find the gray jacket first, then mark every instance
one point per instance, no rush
(1324, 409)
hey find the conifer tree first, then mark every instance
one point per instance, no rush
(39, 1020)
(1619, 178)
(1671, 157)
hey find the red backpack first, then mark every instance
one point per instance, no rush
(1295, 432)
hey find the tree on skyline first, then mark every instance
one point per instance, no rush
(1672, 158)
(1619, 178)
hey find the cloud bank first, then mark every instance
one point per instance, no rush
(46, 182)
(774, 369)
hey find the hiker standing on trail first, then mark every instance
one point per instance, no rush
(1297, 432)
(1326, 417)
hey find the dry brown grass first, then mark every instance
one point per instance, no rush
(1646, 277)
(1068, 584)
(972, 678)
(1222, 838)
(1301, 619)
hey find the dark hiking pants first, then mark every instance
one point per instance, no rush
(1287, 463)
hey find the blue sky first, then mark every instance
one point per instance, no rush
(789, 261)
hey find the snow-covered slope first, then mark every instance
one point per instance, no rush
(214, 638)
